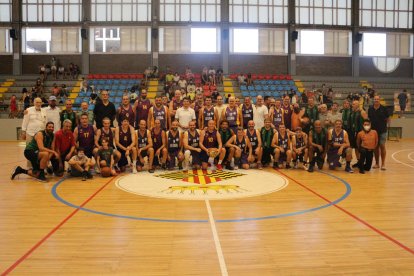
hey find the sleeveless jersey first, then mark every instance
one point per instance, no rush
(208, 114)
(267, 137)
(231, 116)
(156, 139)
(109, 136)
(142, 111)
(247, 113)
(86, 137)
(71, 116)
(355, 121)
(142, 139)
(126, 114)
(337, 138)
(159, 114)
(312, 113)
(253, 139)
(300, 141)
(346, 113)
(47, 142)
(210, 139)
(277, 117)
(176, 104)
(125, 137)
(241, 144)
(173, 141)
(319, 138)
(283, 141)
(193, 141)
(287, 116)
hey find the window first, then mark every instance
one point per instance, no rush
(245, 41)
(258, 41)
(397, 45)
(374, 44)
(325, 42)
(51, 40)
(120, 40)
(190, 10)
(121, 10)
(203, 40)
(5, 41)
(52, 10)
(259, 11)
(320, 12)
(386, 13)
(5, 10)
(385, 64)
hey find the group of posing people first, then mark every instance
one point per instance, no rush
(184, 134)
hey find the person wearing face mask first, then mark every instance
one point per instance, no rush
(80, 165)
(367, 141)
(39, 151)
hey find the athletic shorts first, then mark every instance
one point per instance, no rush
(171, 158)
(33, 157)
(352, 140)
(196, 160)
(382, 138)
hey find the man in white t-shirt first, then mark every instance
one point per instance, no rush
(53, 113)
(185, 115)
(260, 112)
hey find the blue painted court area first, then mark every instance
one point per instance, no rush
(97, 212)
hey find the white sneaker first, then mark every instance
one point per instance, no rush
(305, 166)
(236, 167)
(134, 170)
(129, 160)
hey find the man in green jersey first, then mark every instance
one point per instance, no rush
(266, 134)
(317, 145)
(226, 133)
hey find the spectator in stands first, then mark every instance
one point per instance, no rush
(61, 71)
(133, 96)
(53, 67)
(241, 79)
(403, 101)
(71, 69)
(176, 77)
(249, 79)
(39, 87)
(188, 73)
(13, 107)
(25, 98)
(219, 76)
(204, 76)
(53, 113)
(42, 72)
(84, 108)
(68, 113)
(214, 95)
(303, 98)
(103, 109)
(379, 117)
(55, 90)
(155, 72)
(93, 97)
(169, 78)
(182, 83)
(191, 87)
(212, 75)
(64, 145)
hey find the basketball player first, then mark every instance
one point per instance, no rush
(159, 112)
(125, 143)
(266, 135)
(318, 145)
(246, 111)
(85, 135)
(125, 111)
(287, 112)
(174, 147)
(231, 114)
(242, 149)
(339, 146)
(256, 142)
(145, 148)
(207, 113)
(191, 143)
(106, 132)
(141, 108)
(105, 156)
(159, 144)
(281, 144)
(300, 148)
(276, 115)
(175, 103)
(226, 133)
(210, 143)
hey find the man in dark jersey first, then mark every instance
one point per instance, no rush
(300, 148)
(210, 143)
(39, 151)
(159, 144)
(318, 145)
(141, 108)
(197, 106)
(85, 135)
(174, 147)
(287, 112)
(246, 112)
(159, 112)
(311, 110)
(125, 142)
(242, 149)
(145, 149)
(104, 108)
(175, 104)
(256, 143)
(125, 111)
(69, 114)
(207, 113)
(231, 114)
(276, 114)
(226, 133)
(191, 144)
(266, 135)
(338, 144)
(281, 144)
(106, 132)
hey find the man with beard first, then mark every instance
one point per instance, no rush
(318, 144)
(53, 113)
(300, 148)
(281, 144)
(276, 114)
(266, 135)
(159, 144)
(253, 135)
(85, 135)
(207, 113)
(287, 112)
(231, 114)
(39, 151)
(141, 108)
(174, 147)
(104, 108)
(367, 141)
(242, 149)
(211, 144)
(191, 143)
(159, 112)
(125, 111)
(246, 111)
(339, 146)
(126, 144)
(145, 149)
(175, 103)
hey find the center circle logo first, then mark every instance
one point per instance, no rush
(202, 184)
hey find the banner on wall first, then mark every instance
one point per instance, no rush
(397, 107)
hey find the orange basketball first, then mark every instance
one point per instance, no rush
(106, 172)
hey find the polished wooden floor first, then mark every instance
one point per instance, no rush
(371, 232)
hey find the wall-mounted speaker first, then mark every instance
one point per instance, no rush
(154, 33)
(84, 33)
(225, 34)
(13, 34)
(358, 37)
(295, 35)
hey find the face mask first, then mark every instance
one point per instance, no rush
(81, 155)
(367, 128)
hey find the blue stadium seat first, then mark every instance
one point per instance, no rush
(245, 93)
(78, 100)
(250, 88)
(243, 87)
(82, 94)
(120, 93)
(272, 87)
(112, 94)
(258, 87)
(118, 99)
(253, 93)
(268, 93)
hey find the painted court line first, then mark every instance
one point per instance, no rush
(45, 238)
(219, 251)
(400, 162)
(383, 234)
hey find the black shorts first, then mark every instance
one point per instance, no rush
(352, 140)
(33, 157)
(144, 153)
